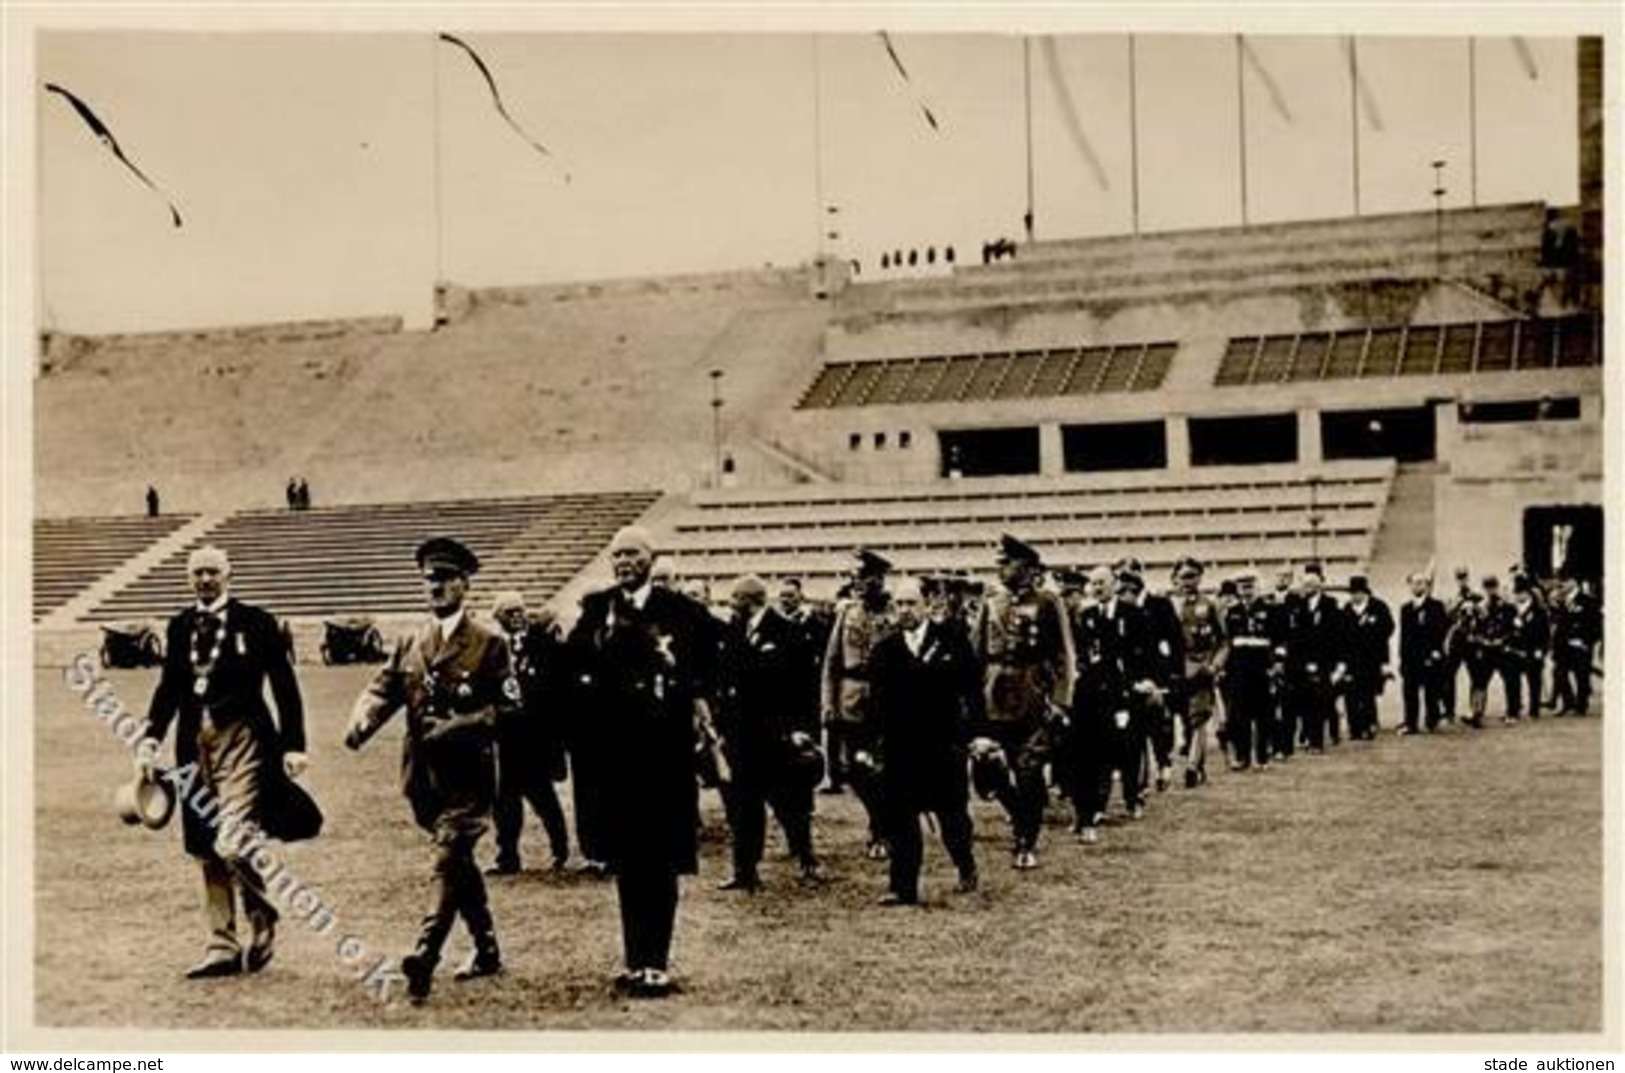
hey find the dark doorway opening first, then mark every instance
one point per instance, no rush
(1564, 540)
(1114, 446)
(1241, 441)
(989, 452)
(1402, 434)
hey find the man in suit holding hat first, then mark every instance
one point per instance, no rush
(646, 664)
(220, 653)
(454, 677)
(764, 735)
(844, 697)
(1369, 628)
(530, 747)
(1023, 640)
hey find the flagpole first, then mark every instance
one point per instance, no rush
(1133, 138)
(1354, 116)
(1027, 101)
(439, 227)
(1241, 127)
(818, 157)
(1472, 118)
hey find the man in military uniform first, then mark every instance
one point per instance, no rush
(1250, 670)
(646, 659)
(454, 677)
(1367, 631)
(763, 735)
(1023, 640)
(1529, 641)
(1202, 642)
(1423, 626)
(1488, 630)
(530, 748)
(219, 655)
(927, 693)
(1461, 612)
(844, 696)
(1576, 629)
(1316, 647)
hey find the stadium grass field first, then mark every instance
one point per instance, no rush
(1450, 883)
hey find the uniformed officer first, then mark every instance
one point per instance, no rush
(1252, 666)
(844, 697)
(927, 692)
(220, 654)
(1108, 724)
(1528, 644)
(530, 747)
(1367, 631)
(454, 677)
(1024, 643)
(1576, 629)
(763, 734)
(1488, 629)
(1423, 627)
(1203, 644)
(1316, 648)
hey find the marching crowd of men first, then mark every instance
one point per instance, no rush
(911, 694)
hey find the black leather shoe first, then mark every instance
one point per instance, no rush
(652, 983)
(504, 866)
(216, 965)
(967, 884)
(419, 973)
(741, 882)
(891, 898)
(484, 963)
(812, 873)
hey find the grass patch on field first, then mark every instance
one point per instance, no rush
(1449, 883)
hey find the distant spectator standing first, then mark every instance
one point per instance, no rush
(292, 494)
(152, 502)
(302, 495)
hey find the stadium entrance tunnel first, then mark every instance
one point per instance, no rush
(989, 452)
(1114, 446)
(1405, 434)
(1244, 441)
(1566, 539)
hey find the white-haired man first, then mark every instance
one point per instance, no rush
(219, 655)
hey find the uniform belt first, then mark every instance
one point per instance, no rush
(1250, 642)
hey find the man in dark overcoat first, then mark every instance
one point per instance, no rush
(1368, 629)
(530, 749)
(1424, 625)
(646, 659)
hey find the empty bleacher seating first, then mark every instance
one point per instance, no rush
(71, 553)
(358, 559)
(1230, 516)
(1023, 374)
(1423, 350)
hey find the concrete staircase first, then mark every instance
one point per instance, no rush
(1405, 540)
(127, 572)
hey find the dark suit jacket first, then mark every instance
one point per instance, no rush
(252, 653)
(1422, 630)
(925, 707)
(1167, 639)
(1531, 630)
(454, 692)
(534, 735)
(1116, 649)
(640, 672)
(1367, 633)
(1317, 636)
(758, 704)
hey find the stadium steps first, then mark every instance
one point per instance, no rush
(79, 561)
(1405, 542)
(359, 559)
(1227, 516)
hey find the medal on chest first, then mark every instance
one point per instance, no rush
(203, 665)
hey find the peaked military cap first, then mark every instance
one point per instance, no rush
(444, 553)
(870, 562)
(1012, 550)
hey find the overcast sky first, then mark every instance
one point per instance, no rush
(304, 164)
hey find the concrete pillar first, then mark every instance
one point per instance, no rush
(1051, 456)
(1177, 432)
(1309, 449)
